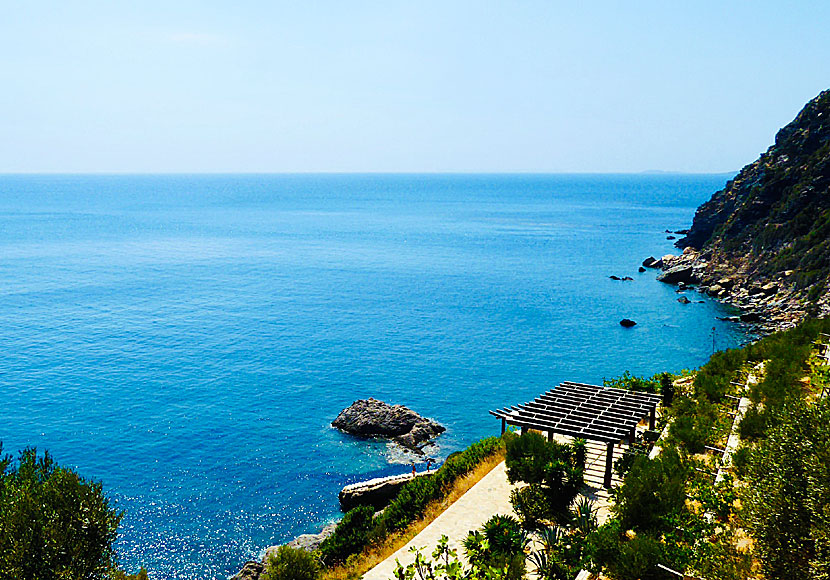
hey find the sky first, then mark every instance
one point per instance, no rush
(403, 86)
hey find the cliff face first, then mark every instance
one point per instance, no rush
(770, 226)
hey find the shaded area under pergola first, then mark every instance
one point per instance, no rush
(583, 411)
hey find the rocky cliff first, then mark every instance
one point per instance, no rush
(763, 242)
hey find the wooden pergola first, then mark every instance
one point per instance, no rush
(583, 411)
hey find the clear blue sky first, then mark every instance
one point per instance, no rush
(345, 85)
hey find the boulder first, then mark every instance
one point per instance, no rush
(308, 542)
(714, 290)
(627, 323)
(671, 238)
(725, 282)
(614, 277)
(770, 288)
(681, 273)
(373, 418)
(641, 269)
(252, 570)
(652, 262)
(627, 278)
(750, 317)
(683, 300)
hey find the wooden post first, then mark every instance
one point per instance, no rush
(631, 435)
(550, 436)
(652, 417)
(609, 463)
(503, 425)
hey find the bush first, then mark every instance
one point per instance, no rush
(53, 522)
(350, 536)
(505, 535)
(652, 492)
(531, 505)
(788, 493)
(291, 564)
(624, 558)
(551, 466)
(631, 383)
(503, 549)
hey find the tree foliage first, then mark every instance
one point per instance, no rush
(54, 524)
(788, 497)
(553, 470)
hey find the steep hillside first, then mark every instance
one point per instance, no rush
(763, 242)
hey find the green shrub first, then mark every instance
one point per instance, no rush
(631, 383)
(350, 536)
(531, 505)
(505, 535)
(623, 558)
(291, 564)
(552, 466)
(498, 546)
(53, 522)
(753, 424)
(788, 493)
(653, 491)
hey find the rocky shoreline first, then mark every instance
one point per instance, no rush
(768, 304)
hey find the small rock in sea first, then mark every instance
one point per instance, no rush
(641, 269)
(681, 232)
(627, 323)
(614, 277)
(652, 262)
(627, 278)
(671, 238)
(684, 300)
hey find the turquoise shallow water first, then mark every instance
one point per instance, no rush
(186, 340)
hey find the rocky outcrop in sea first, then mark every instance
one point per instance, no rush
(373, 418)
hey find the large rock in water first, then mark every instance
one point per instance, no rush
(373, 418)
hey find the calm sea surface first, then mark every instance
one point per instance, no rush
(186, 340)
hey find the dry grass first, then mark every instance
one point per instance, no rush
(361, 563)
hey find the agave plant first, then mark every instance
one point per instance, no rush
(584, 515)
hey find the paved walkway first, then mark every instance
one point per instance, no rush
(491, 495)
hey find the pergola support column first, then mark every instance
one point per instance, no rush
(632, 435)
(503, 425)
(652, 417)
(609, 463)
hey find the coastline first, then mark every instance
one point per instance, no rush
(767, 305)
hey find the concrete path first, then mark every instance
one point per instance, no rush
(490, 496)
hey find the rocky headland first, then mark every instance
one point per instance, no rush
(373, 418)
(762, 243)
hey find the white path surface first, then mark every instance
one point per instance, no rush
(491, 495)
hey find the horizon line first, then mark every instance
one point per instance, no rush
(655, 172)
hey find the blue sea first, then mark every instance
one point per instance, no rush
(187, 339)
